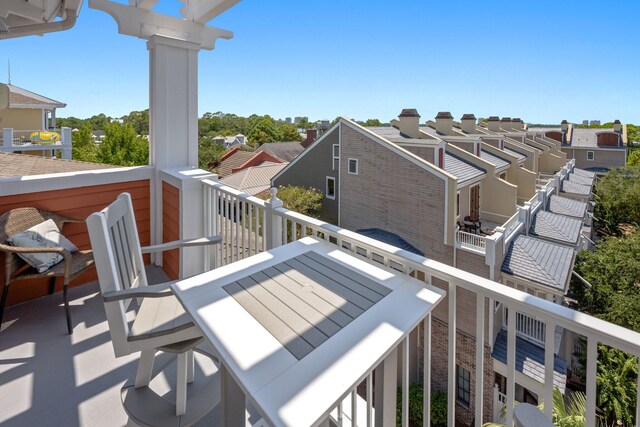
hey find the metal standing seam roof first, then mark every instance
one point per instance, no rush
(463, 171)
(255, 179)
(530, 360)
(567, 206)
(539, 261)
(390, 239)
(556, 227)
(519, 155)
(582, 172)
(498, 162)
(12, 165)
(575, 188)
(581, 179)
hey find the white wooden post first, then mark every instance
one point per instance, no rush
(66, 143)
(7, 140)
(272, 222)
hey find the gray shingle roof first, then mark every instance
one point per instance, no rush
(581, 179)
(499, 162)
(539, 261)
(519, 155)
(556, 227)
(582, 172)
(566, 206)
(12, 165)
(235, 160)
(461, 169)
(394, 135)
(390, 239)
(575, 188)
(530, 360)
(286, 151)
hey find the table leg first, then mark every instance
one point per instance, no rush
(386, 375)
(232, 400)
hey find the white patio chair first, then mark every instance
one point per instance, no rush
(160, 322)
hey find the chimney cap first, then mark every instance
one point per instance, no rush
(493, 119)
(564, 122)
(444, 115)
(468, 117)
(516, 120)
(506, 119)
(409, 112)
(617, 122)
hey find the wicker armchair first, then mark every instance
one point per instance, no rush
(21, 219)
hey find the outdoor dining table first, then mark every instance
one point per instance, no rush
(298, 327)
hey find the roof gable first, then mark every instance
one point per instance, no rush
(19, 97)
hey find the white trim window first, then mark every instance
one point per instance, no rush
(335, 151)
(330, 188)
(591, 155)
(353, 166)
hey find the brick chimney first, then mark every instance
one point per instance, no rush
(505, 123)
(468, 123)
(410, 122)
(493, 123)
(312, 134)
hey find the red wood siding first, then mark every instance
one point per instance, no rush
(607, 140)
(554, 135)
(170, 229)
(76, 203)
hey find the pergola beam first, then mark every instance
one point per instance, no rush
(143, 4)
(137, 22)
(205, 10)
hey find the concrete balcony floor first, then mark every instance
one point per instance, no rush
(49, 378)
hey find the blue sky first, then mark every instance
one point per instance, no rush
(543, 61)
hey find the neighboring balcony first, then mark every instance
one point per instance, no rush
(28, 141)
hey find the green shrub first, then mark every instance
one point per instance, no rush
(416, 399)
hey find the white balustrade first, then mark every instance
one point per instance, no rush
(527, 327)
(241, 220)
(471, 241)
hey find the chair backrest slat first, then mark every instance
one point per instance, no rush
(119, 262)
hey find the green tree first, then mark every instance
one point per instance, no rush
(264, 131)
(99, 122)
(618, 198)
(209, 154)
(122, 146)
(304, 123)
(139, 120)
(634, 158)
(288, 132)
(83, 147)
(372, 122)
(304, 200)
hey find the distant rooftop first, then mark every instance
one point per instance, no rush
(560, 228)
(13, 165)
(390, 238)
(286, 151)
(498, 162)
(566, 206)
(255, 179)
(22, 98)
(518, 154)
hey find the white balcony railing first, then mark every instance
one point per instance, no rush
(527, 327)
(249, 225)
(12, 140)
(471, 241)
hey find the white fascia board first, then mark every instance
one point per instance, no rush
(37, 106)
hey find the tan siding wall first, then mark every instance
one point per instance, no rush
(21, 118)
(76, 203)
(170, 229)
(603, 158)
(312, 169)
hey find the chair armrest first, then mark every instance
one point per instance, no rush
(151, 291)
(201, 241)
(18, 249)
